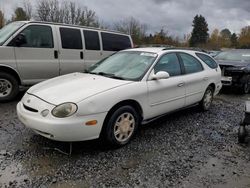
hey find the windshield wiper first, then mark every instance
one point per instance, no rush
(107, 75)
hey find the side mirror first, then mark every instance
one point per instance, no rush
(20, 39)
(160, 75)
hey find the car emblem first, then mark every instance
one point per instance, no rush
(28, 101)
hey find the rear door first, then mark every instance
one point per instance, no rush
(70, 54)
(35, 59)
(195, 78)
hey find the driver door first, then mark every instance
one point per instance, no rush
(166, 95)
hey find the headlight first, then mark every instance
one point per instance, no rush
(64, 110)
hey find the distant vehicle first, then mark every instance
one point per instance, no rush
(119, 93)
(213, 53)
(31, 52)
(235, 66)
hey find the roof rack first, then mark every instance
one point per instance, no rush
(186, 48)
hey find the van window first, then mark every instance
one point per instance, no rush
(71, 38)
(115, 42)
(38, 36)
(91, 40)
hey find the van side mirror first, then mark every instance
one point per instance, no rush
(20, 39)
(160, 75)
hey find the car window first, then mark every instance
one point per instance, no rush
(115, 42)
(71, 38)
(191, 64)
(168, 63)
(208, 60)
(91, 40)
(38, 36)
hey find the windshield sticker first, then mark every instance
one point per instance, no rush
(246, 55)
(148, 54)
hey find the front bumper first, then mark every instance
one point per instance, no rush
(61, 129)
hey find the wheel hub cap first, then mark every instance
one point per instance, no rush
(124, 127)
(5, 87)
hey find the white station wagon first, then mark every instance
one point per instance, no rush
(119, 93)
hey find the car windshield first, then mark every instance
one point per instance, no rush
(126, 65)
(8, 30)
(237, 55)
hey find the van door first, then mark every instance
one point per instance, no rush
(36, 58)
(92, 53)
(71, 50)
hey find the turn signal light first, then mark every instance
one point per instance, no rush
(90, 123)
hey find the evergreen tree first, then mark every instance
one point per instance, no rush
(20, 15)
(199, 34)
(2, 19)
(234, 40)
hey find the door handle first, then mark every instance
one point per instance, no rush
(205, 78)
(180, 84)
(81, 55)
(55, 54)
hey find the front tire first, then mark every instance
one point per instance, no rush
(121, 126)
(245, 88)
(9, 87)
(207, 99)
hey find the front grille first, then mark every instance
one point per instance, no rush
(29, 108)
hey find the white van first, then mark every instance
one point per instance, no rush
(32, 51)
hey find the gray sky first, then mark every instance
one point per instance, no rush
(175, 16)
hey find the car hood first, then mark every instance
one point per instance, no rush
(232, 63)
(73, 87)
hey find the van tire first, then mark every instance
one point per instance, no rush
(9, 87)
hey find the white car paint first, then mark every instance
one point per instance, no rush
(95, 96)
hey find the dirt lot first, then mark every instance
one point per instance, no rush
(185, 149)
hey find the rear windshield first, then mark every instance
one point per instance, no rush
(8, 30)
(237, 55)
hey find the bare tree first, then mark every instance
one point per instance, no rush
(65, 12)
(27, 6)
(133, 27)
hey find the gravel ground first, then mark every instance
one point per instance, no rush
(189, 148)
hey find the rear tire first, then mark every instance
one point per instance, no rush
(242, 134)
(121, 126)
(207, 99)
(9, 87)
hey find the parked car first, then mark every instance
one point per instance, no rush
(118, 94)
(235, 66)
(214, 53)
(31, 52)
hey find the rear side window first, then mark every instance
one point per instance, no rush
(91, 40)
(191, 64)
(115, 42)
(71, 38)
(208, 60)
(38, 36)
